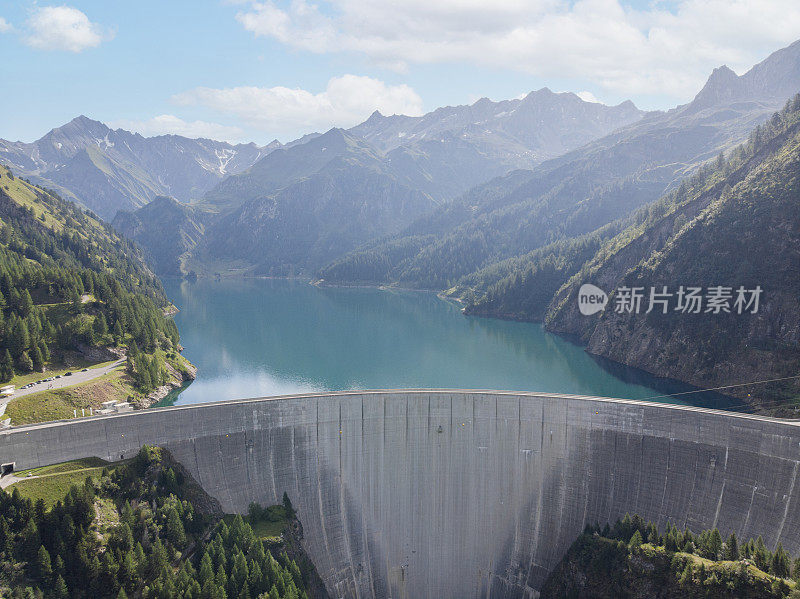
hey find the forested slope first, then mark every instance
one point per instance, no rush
(632, 560)
(141, 529)
(735, 226)
(69, 283)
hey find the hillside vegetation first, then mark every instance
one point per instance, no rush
(139, 529)
(709, 233)
(631, 560)
(72, 290)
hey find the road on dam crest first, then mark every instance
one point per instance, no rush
(448, 493)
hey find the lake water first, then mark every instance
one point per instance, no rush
(259, 337)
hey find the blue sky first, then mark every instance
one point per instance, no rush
(257, 70)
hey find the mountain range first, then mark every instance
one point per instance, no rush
(576, 193)
(305, 203)
(507, 206)
(107, 170)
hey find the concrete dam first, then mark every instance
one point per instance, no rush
(428, 494)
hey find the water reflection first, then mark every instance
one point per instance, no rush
(268, 337)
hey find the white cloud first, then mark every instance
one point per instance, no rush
(5, 26)
(346, 101)
(618, 48)
(64, 28)
(587, 96)
(170, 124)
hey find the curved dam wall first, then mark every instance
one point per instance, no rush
(410, 494)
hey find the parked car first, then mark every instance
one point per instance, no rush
(67, 374)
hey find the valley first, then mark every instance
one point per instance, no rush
(493, 209)
(375, 300)
(344, 209)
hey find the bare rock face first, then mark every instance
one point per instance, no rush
(100, 354)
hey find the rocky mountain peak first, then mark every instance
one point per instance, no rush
(722, 86)
(81, 125)
(538, 95)
(772, 80)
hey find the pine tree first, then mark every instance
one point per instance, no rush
(287, 505)
(20, 337)
(39, 510)
(174, 529)
(44, 567)
(256, 578)
(144, 380)
(100, 327)
(6, 546)
(30, 541)
(636, 540)
(652, 535)
(206, 570)
(58, 568)
(139, 558)
(38, 360)
(761, 556)
(24, 362)
(780, 563)
(714, 545)
(240, 573)
(75, 300)
(158, 561)
(220, 578)
(118, 333)
(6, 367)
(732, 548)
(45, 351)
(153, 371)
(25, 306)
(60, 588)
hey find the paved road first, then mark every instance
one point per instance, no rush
(8, 480)
(68, 381)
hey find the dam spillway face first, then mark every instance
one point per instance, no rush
(431, 494)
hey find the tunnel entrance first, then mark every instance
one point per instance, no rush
(7, 468)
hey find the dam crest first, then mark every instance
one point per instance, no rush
(446, 493)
